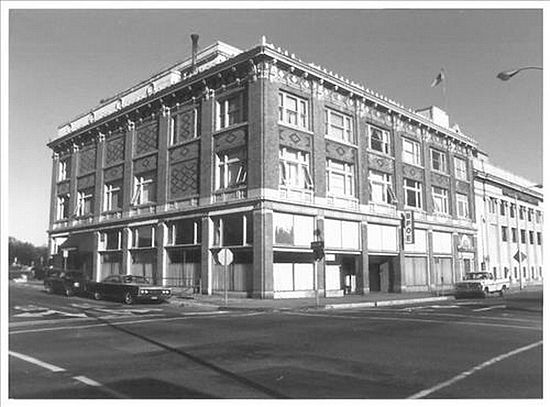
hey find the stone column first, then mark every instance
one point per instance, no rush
(162, 162)
(362, 279)
(161, 239)
(73, 184)
(98, 190)
(126, 255)
(127, 182)
(206, 151)
(262, 279)
(206, 257)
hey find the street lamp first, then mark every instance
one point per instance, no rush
(505, 75)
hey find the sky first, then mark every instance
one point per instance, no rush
(62, 62)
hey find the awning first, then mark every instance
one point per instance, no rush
(83, 242)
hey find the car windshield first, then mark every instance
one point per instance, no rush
(476, 276)
(135, 280)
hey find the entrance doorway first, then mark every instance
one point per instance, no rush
(381, 274)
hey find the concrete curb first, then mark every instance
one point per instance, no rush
(386, 303)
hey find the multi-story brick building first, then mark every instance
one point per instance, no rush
(262, 153)
(510, 221)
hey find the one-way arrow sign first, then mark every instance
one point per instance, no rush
(516, 256)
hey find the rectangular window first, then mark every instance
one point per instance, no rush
(145, 189)
(531, 237)
(512, 210)
(231, 168)
(63, 170)
(184, 126)
(538, 216)
(338, 126)
(111, 240)
(462, 206)
(411, 152)
(522, 236)
(440, 199)
(529, 215)
(293, 230)
(233, 230)
(85, 202)
(340, 178)
(186, 231)
(62, 207)
(293, 110)
(502, 208)
(461, 169)
(413, 193)
(514, 235)
(491, 205)
(294, 169)
(539, 238)
(112, 197)
(381, 188)
(439, 160)
(143, 236)
(342, 234)
(504, 232)
(522, 212)
(230, 111)
(379, 139)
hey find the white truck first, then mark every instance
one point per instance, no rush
(480, 284)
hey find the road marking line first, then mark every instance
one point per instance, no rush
(477, 368)
(87, 380)
(37, 362)
(489, 308)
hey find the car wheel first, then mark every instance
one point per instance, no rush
(69, 292)
(486, 292)
(49, 289)
(502, 291)
(97, 296)
(128, 298)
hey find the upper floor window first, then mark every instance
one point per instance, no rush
(504, 233)
(379, 139)
(143, 236)
(231, 168)
(338, 126)
(531, 237)
(413, 193)
(294, 169)
(84, 203)
(512, 210)
(411, 152)
(63, 170)
(522, 235)
(111, 240)
(539, 238)
(461, 169)
(529, 215)
(514, 235)
(502, 208)
(230, 110)
(462, 206)
(522, 212)
(491, 205)
(439, 160)
(184, 126)
(62, 207)
(112, 199)
(538, 216)
(381, 188)
(440, 198)
(145, 190)
(293, 110)
(340, 178)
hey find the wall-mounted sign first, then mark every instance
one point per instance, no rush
(408, 227)
(465, 243)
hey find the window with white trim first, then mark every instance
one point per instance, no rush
(340, 178)
(230, 110)
(379, 139)
(234, 229)
(293, 110)
(462, 206)
(413, 193)
(339, 126)
(294, 169)
(185, 231)
(62, 207)
(381, 188)
(440, 197)
(111, 240)
(491, 205)
(62, 170)
(293, 230)
(112, 196)
(231, 170)
(411, 152)
(461, 171)
(84, 202)
(143, 236)
(439, 160)
(145, 189)
(175, 124)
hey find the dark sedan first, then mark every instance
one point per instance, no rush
(128, 289)
(68, 282)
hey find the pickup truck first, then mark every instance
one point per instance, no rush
(480, 284)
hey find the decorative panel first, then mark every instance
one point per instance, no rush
(380, 163)
(114, 150)
(63, 187)
(145, 164)
(412, 172)
(185, 152)
(114, 173)
(462, 187)
(184, 178)
(86, 162)
(340, 152)
(440, 180)
(377, 117)
(410, 128)
(294, 139)
(230, 140)
(86, 182)
(185, 125)
(436, 140)
(146, 138)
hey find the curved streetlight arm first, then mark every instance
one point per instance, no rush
(505, 75)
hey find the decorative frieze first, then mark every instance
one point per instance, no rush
(146, 139)
(412, 172)
(145, 164)
(441, 180)
(114, 173)
(184, 178)
(114, 150)
(186, 152)
(230, 139)
(86, 182)
(87, 160)
(378, 163)
(294, 139)
(63, 188)
(462, 187)
(340, 152)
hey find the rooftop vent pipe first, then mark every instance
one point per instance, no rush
(195, 47)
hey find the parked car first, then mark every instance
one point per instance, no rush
(128, 289)
(480, 284)
(68, 282)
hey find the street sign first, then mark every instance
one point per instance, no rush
(408, 227)
(318, 248)
(518, 253)
(225, 257)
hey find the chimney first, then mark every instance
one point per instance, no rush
(195, 47)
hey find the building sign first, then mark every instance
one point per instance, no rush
(465, 243)
(408, 227)
(509, 192)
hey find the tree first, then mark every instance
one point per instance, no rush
(26, 253)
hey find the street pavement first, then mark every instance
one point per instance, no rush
(73, 347)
